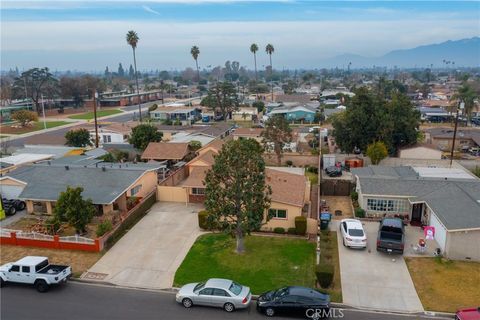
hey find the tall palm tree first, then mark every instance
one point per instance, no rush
(270, 49)
(132, 40)
(254, 49)
(195, 51)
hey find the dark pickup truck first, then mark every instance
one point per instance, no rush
(391, 236)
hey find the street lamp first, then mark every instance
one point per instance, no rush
(461, 106)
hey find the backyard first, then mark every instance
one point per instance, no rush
(445, 285)
(268, 263)
(90, 115)
(8, 129)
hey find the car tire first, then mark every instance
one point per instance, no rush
(2, 283)
(21, 205)
(269, 312)
(344, 243)
(11, 211)
(41, 286)
(229, 307)
(187, 303)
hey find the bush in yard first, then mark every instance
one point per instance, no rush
(104, 227)
(203, 220)
(24, 117)
(359, 213)
(78, 138)
(324, 273)
(153, 107)
(354, 195)
(292, 231)
(279, 230)
(289, 163)
(301, 225)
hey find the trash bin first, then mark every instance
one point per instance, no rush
(325, 218)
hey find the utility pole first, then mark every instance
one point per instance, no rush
(95, 116)
(43, 111)
(461, 105)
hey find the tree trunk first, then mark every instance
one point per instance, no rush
(138, 90)
(255, 59)
(198, 71)
(240, 245)
(279, 159)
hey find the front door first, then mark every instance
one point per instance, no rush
(417, 213)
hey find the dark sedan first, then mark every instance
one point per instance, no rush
(333, 171)
(294, 301)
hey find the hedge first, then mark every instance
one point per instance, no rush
(104, 227)
(279, 230)
(292, 231)
(203, 220)
(301, 225)
(359, 213)
(324, 273)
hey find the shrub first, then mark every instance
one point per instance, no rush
(324, 273)
(153, 107)
(24, 117)
(312, 169)
(279, 230)
(359, 213)
(354, 195)
(315, 152)
(132, 202)
(203, 219)
(292, 231)
(104, 227)
(301, 225)
(289, 163)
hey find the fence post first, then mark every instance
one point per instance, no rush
(56, 241)
(97, 245)
(13, 235)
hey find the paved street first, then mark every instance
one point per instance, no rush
(150, 253)
(78, 301)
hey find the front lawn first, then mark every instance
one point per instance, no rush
(268, 263)
(445, 285)
(90, 115)
(329, 253)
(34, 127)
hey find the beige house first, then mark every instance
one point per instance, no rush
(248, 133)
(420, 151)
(245, 114)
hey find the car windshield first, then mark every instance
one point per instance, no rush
(355, 232)
(235, 288)
(199, 286)
(281, 292)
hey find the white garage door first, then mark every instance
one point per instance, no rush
(10, 192)
(440, 231)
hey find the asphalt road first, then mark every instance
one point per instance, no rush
(84, 301)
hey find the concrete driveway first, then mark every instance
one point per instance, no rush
(150, 253)
(375, 280)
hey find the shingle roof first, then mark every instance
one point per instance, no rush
(196, 177)
(102, 186)
(251, 132)
(286, 187)
(165, 151)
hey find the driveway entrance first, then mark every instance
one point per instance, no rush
(150, 253)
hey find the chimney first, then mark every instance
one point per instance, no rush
(67, 168)
(104, 169)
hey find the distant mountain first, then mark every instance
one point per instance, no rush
(465, 53)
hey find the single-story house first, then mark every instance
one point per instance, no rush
(12, 162)
(248, 133)
(446, 198)
(114, 133)
(245, 114)
(186, 115)
(160, 151)
(420, 151)
(442, 138)
(297, 113)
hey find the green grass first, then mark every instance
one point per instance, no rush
(89, 115)
(313, 177)
(50, 124)
(329, 252)
(268, 262)
(34, 127)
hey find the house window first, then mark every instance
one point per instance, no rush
(198, 191)
(135, 190)
(107, 139)
(388, 205)
(278, 213)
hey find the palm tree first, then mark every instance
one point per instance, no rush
(132, 40)
(195, 51)
(254, 49)
(270, 49)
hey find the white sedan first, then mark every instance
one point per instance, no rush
(353, 234)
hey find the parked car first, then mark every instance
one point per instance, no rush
(299, 301)
(391, 236)
(18, 204)
(468, 314)
(333, 171)
(353, 234)
(222, 293)
(34, 270)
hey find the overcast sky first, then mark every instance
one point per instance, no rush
(89, 35)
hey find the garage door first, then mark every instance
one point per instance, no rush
(10, 192)
(440, 231)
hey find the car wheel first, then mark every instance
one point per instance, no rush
(270, 312)
(41, 286)
(344, 243)
(21, 205)
(229, 307)
(187, 303)
(12, 211)
(2, 282)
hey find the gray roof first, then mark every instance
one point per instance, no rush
(81, 160)
(385, 172)
(46, 182)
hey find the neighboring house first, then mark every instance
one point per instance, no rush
(12, 162)
(109, 186)
(160, 151)
(245, 114)
(188, 137)
(302, 113)
(434, 114)
(420, 151)
(114, 133)
(442, 138)
(186, 115)
(445, 198)
(248, 133)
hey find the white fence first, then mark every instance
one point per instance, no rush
(33, 235)
(6, 233)
(77, 239)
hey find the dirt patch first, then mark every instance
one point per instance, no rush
(80, 261)
(339, 203)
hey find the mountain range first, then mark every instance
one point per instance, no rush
(461, 53)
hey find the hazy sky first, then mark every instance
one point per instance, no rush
(89, 35)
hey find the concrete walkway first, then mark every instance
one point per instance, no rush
(375, 280)
(150, 253)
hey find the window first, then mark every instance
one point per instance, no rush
(235, 288)
(135, 190)
(278, 213)
(107, 139)
(385, 205)
(198, 191)
(220, 293)
(25, 269)
(15, 269)
(206, 292)
(289, 299)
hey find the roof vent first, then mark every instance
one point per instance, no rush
(49, 162)
(104, 169)
(67, 168)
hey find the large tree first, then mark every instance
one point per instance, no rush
(78, 138)
(132, 40)
(276, 135)
(269, 49)
(195, 52)
(222, 98)
(236, 194)
(254, 49)
(143, 134)
(467, 94)
(34, 83)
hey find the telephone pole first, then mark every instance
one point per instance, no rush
(461, 105)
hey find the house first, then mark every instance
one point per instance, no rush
(12, 162)
(446, 198)
(442, 138)
(185, 115)
(248, 133)
(301, 113)
(109, 186)
(188, 137)
(114, 133)
(245, 114)
(160, 151)
(420, 151)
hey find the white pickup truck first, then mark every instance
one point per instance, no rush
(36, 271)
